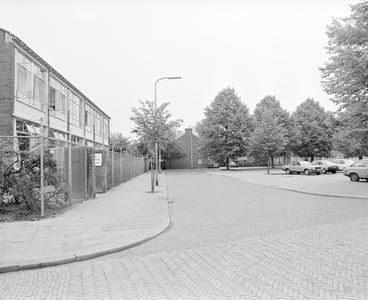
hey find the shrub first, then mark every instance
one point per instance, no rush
(20, 180)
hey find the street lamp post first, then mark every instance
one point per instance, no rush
(156, 146)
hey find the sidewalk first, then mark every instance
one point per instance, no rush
(119, 219)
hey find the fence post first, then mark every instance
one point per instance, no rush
(41, 174)
(112, 170)
(152, 177)
(85, 171)
(70, 173)
(134, 165)
(42, 196)
(121, 166)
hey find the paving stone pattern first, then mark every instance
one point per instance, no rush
(228, 239)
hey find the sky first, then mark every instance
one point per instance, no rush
(114, 51)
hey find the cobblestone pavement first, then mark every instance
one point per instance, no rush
(228, 240)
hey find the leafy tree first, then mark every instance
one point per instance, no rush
(345, 74)
(272, 104)
(138, 146)
(153, 126)
(226, 128)
(345, 77)
(314, 130)
(269, 104)
(269, 136)
(350, 137)
(118, 142)
(346, 144)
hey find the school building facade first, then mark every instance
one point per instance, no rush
(34, 97)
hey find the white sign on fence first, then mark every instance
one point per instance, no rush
(98, 159)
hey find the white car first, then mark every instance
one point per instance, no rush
(357, 171)
(326, 166)
(343, 163)
(301, 166)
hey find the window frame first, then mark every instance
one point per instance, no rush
(26, 72)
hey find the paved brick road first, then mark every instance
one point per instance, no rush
(228, 240)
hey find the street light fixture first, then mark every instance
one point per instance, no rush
(156, 146)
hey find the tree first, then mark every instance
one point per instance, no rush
(153, 126)
(226, 128)
(345, 76)
(314, 130)
(350, 137)
(268, 138)
(269, 104)
(138, 146)
(118, 142)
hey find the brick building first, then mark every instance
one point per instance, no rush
(35, 97)
(193, 159)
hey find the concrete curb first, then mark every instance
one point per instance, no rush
(318, 194)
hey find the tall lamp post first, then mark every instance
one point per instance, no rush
(156, 146)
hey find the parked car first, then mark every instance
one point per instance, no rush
(343, 163)
(326, 166)
(233, 164)
(301, 166)
(357, 171)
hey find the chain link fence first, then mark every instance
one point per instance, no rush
(122, 168)
(40, 176)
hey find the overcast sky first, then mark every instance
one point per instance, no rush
(114, 50)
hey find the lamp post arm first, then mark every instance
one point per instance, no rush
(156, 90)
(176, 77)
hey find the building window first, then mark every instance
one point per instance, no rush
(25, 132)
(88, 118)
(24, 81)
(39, 93)
(57, 100)
(75, 109)
(30, 81)
(89, 144)
(98, 123)
(76, 140)
(106, 128)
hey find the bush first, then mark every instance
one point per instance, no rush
(20, 181)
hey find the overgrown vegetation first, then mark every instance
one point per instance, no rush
(20, 184)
